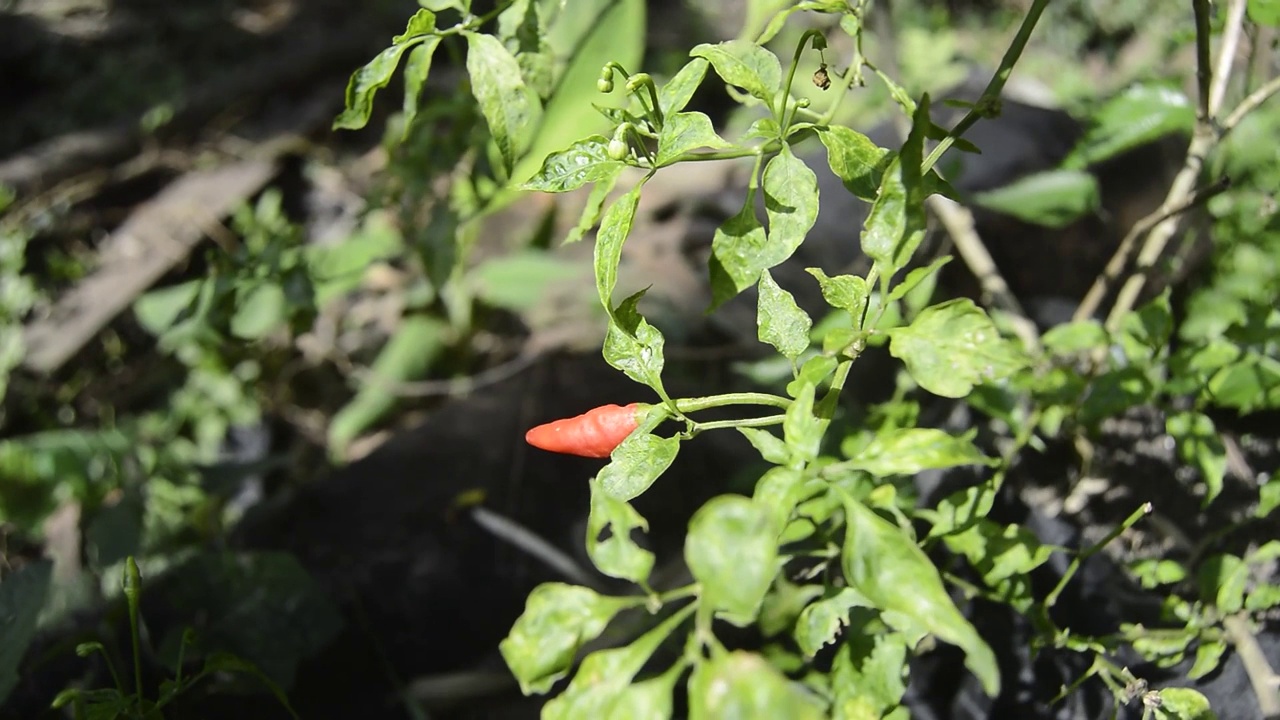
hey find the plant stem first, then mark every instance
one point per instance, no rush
(780, 109)
(747, 422)
(995, 87)
(133, 595)
(1085, 554)
(688, 405)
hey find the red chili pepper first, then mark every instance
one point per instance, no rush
(593, 434)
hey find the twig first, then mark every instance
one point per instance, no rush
(532, 544)
(1226, 55)
(1116, 265)
(1251, 103)
(1262, 677)
(1203, 140)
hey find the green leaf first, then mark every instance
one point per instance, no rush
(746, 65)
(906, 451)
(820, 622)
(733, 554)
(1053, 198)
(160, 309)
(790, 205)
(779, 489)
(685, 131)
(1183, 704)
(741, 686)
(1153, 573)
(679, 90)
(617, 555)
(915, 278)
(869, 676)
(1208, 657)
(953, 346)
(510, 107)
(1075, 337)
(814, 372)
(1222, 580)
(960, 509)
(595, 203)
(1113, 392)
(409, 354)
(999, 552)
(1265, 12)
(779, 321)
(260, 309)
(585, 161)
(1248, 385)
(375, 75)
(22, 596)
(1268, 497)
(843, 292)
(603, 688)
(1200, 444)
(633, 346)
(801, 428)
(517, 281)
(1139, 115)
(558, 620)
(614, 229)
(639, 459)
(858, 162)
(896, 224)
(890, 570)
(770, 446)
(416, 70)
(735, 247)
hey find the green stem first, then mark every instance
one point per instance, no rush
(688, 405)
(679, 593)
(729, 154)
(1203, 63)
(766, 421)
(133, 595)
(1085, 554)
(992, 92)
(780, 111)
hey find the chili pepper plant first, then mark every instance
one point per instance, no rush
(828, 557)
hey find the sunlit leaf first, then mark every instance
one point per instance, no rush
(585, 161)
(733, 554)
(953, 346)
(557, 620)
(740, 685)
(888, 568)
(509, 106)
(1139, 115)
(617, 555)
(745, 65)
(781, 322)
(683, 132)
(1053, 198)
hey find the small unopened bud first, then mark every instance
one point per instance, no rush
(637, 81)
(618, 149)
(803, 103)
(605, 83)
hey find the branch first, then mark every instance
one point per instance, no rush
(1202, 142)
(1262, 677)
(1102, 284)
